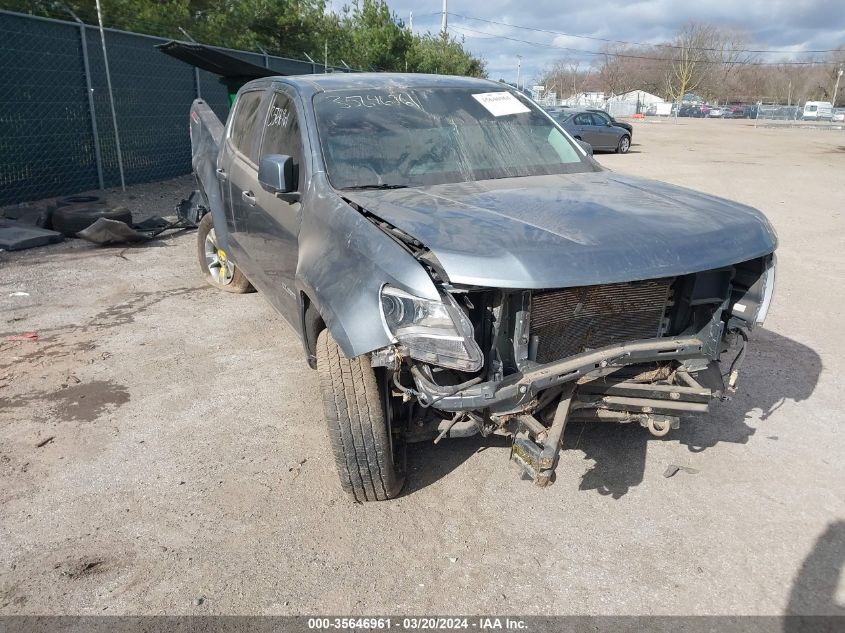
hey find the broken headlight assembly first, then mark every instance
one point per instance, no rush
(753, 305)
(436, 332)
(768, 279)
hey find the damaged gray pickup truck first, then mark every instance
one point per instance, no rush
(455, 263)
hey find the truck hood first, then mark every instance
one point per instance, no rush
(571, 230)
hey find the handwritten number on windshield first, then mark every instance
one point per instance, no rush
(376, 100)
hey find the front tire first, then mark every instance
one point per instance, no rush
(624, 145)
(219, 271)
(359, 424)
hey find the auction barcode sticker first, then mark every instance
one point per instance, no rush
(501, 103)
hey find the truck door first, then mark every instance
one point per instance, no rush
(239, 171)
(274, 224)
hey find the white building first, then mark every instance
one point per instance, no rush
(636, 96)
(585, 99)
(631, 102)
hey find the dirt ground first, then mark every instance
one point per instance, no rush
(162, 447)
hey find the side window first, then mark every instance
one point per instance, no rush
(281, 131)
(246, 120)
(583, 119)
(600, 119)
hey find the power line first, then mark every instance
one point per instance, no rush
(489, 35)
(627, 43)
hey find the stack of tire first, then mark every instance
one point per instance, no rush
(76, 213)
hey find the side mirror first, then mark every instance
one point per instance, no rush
(586, 147)
(609, 124)
(275, 173)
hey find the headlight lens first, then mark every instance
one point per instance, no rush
(436, 332)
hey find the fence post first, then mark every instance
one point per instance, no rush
(91, 109)
(111, 97)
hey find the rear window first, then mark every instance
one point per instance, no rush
(245, 122)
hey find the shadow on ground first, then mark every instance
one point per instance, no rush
(813, 593)
(619, 450)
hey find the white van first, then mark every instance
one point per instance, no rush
(815, 110)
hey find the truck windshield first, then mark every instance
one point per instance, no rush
(428, 136)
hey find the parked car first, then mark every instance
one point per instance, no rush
(817, 110)
(455, 263)
(695, 111)
(607, 118)
(716, 113)
(600, 133)
(838, 115)
(736, 111)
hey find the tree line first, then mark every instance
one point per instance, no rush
(364, 35)
(714, 62)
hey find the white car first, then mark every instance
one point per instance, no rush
(716, 113)
(839, 115)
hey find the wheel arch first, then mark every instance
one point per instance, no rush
(311, 324)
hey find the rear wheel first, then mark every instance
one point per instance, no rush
(217, 268)
(624, 145)
(357, 403)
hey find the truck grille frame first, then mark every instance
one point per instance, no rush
(568, 321)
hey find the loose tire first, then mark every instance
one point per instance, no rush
(72, 219)
(358, 423)
(624, 145)
(219, 271)
(89, 201)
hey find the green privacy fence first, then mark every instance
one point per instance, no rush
(56, 129)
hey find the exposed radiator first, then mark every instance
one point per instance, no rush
(572, 320)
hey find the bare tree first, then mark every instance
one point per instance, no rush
(566, 76)
(728, 56)
(690, 56)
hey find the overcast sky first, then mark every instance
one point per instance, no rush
(774, 24)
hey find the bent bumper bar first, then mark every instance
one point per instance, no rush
(518, 390)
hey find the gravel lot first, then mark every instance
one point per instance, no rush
(162, 448)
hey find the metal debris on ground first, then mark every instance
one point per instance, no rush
(105, 231)
(15, 236)
(673, 469)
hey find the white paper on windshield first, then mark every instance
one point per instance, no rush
(500, 103)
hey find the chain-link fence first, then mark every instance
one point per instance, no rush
(56, 130)
(812, 114)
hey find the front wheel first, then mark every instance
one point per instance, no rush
(624, 145)
(217, 268)
(358, 414)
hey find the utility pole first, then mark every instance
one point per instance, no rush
(444, 20)
(836, 87)
(518, 69)
(326, 58)
(411, 23)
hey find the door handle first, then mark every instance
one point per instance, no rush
(220, 173)
(248, 197)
